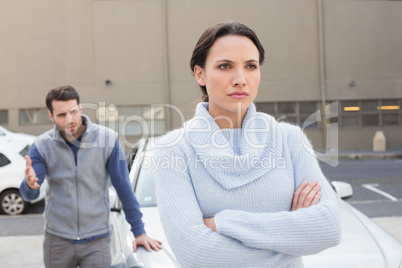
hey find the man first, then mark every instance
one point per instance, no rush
(78, 157)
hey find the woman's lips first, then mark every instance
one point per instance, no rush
(239, 95)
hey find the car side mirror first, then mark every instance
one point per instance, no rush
(343, 189)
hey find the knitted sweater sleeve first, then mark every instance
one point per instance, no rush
(193, 243)
(301, 232)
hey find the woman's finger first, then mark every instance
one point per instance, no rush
(305, 192)
(296, 195)
(311, 195)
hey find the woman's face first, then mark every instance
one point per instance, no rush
(231, 75)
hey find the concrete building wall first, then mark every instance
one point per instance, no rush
(143, 48)
(363, 44)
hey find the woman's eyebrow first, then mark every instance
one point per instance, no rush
(230, 61)
(224, 60)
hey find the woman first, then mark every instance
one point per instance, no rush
(232, 183)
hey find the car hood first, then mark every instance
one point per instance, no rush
(21, 137)
(363, 245)
(20, 140)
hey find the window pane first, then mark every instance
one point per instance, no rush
(334, 120)
(287, 107)
(156, 113)
(291, 119)
(350, 106)
(390, 105)
(390, 119)
(34, 116)
(4, 160)
(389, 102)
(24, 151)
(111, 124)
(370, 120)
(308, 107)
(106, 114)
(133, 128)
(158, 127)
(311, 124)
(3, 117)
(370, 106)
(268, 108)
(137, 120)
(130, 120)
(350, 120)
(127, 111)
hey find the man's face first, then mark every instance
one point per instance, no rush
(67, 117)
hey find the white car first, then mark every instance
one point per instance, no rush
(363, 245)
(15, 139)
(12, 172)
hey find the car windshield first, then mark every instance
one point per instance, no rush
(145, 187)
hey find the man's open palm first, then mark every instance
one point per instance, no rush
(30, 175)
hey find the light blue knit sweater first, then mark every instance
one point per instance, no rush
(247, 184)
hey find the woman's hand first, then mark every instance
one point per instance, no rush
(306, 195)
(210, 223)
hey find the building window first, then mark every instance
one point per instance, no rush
(3, 116)
(34, 116)
(390, 112)
(293, 112)
(288, 111)
(352, 113)
(267, 107)
(310, 111)
(132, 120)
(370, 113)
(350, 116)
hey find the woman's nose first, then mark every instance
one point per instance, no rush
(239, 79)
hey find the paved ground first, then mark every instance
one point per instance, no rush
(21, 251)
(392, 225)
(26, 251)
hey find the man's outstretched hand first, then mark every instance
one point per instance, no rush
(147, 242)
(30, 175)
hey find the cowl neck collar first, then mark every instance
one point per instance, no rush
(260, 147)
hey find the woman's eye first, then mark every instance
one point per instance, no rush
(224, 66)
(252, 66)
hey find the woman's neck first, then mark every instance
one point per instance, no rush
(229, 120)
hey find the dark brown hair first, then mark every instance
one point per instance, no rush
(209, 37)
(63, 93)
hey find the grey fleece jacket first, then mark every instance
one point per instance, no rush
(77, 200)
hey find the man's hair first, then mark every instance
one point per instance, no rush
(63, 93)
